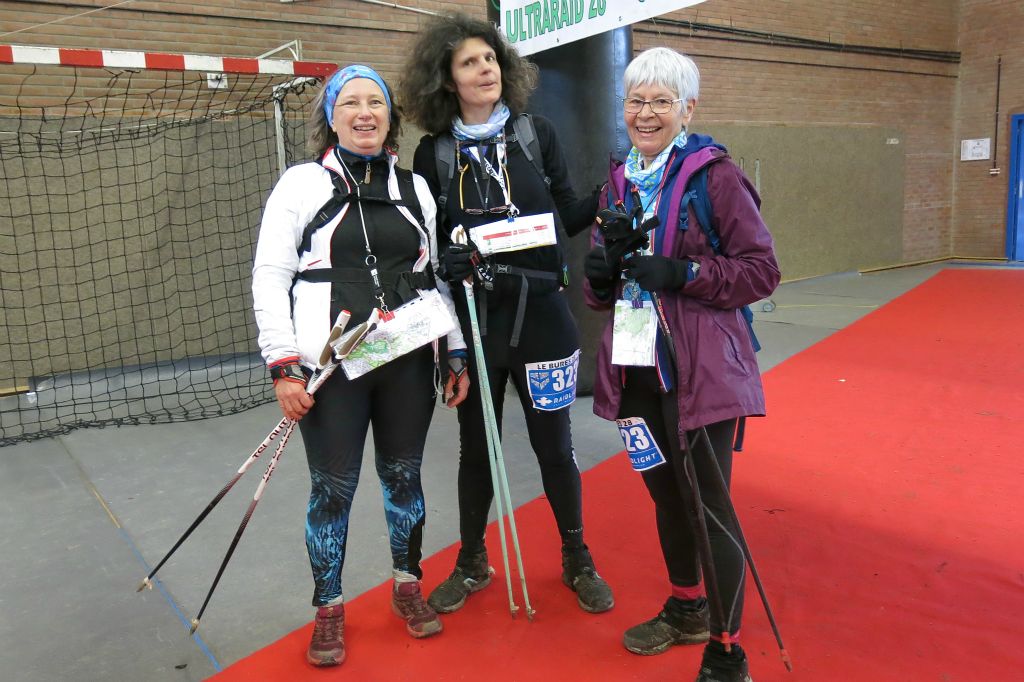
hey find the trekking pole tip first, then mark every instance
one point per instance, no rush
(195, 625)
(785, 660)
(530, 613)
(513, 609)
(146, 583)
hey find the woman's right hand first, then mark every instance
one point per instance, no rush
(293, 399)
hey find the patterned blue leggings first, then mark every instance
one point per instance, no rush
(398, 401)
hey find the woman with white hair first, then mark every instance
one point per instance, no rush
(677, 353)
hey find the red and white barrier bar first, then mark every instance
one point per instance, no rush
(123, 59)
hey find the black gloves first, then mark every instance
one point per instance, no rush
(458, 261)
(620, 236)
(599, 272)
(656, 272)
(615, 225)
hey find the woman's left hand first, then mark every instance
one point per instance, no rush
(656, 272)
(457, 387)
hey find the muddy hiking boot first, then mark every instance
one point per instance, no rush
(578, 573)
(718, 666)
(407, 603)
(471, 574)
(328, 644)
(676, 624)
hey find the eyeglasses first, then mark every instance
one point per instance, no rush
(496, 210)
(634, 105)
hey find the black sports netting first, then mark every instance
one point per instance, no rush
(130, 204)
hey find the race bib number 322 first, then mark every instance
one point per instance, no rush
(553, 384)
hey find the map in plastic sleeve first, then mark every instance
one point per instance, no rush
(634, 333)
(414, 324)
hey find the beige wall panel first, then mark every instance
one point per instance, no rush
(826, 205)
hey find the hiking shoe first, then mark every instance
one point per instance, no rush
(674, 625)
(718, 666)
(578, 573)
(328, 644)
(407, 602)
(471, 574)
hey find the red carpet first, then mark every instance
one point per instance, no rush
(880, 499)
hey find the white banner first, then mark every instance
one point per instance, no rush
(535, 25)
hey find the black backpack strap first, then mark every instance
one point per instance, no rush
(407, 190)
(415, 279)
(526, 133)
(444, 156)
(340, 196)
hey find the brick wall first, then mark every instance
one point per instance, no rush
(988, 29)
(742, 83)
(785, 86)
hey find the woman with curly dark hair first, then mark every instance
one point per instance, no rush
(491, 166)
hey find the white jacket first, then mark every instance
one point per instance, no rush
(297, 325)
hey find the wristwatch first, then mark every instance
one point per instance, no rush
(291, 371)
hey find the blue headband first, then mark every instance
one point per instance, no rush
(338, 80)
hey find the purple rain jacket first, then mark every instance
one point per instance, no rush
(717, 377)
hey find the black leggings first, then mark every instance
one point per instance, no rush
(676, 524)
(398, 400)
(549, 333)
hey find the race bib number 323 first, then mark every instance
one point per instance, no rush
(643, 452)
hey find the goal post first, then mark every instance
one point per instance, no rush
(131, 190)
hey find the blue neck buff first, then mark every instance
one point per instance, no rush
(647, 178)
(482, 131)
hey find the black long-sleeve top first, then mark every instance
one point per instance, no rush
(528, 192)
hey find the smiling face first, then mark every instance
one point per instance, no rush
(361, 117)
(649, 132)
(476, 79)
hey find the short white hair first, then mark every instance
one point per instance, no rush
(666, 68)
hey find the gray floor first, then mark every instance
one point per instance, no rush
(87, 514)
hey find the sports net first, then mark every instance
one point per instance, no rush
(130, 202)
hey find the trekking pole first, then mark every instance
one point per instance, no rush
(496, 460)
(340, 346)
(742, 542)
(720, 480)
(315, 382)
(245, 520)
(685, 472)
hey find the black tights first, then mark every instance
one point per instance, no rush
(674, 511)
(549, 333)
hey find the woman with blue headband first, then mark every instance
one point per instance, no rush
(353, 231)
(497, 168)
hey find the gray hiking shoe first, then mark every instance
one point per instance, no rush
(674, 625)
(471, 574)
(578, 573)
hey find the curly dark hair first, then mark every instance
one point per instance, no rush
(426, 90)
(321, 137)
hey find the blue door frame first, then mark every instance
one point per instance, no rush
(1015, 192)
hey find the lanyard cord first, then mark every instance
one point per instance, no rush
(503, 179)
(370, 260)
